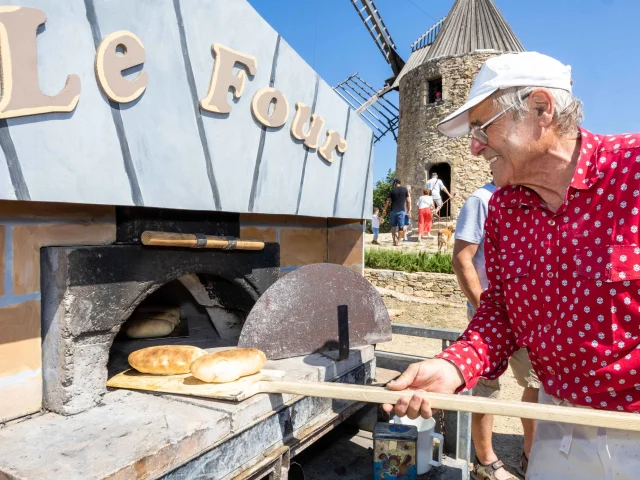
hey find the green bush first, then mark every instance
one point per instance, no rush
(380, 194)
(407, 261)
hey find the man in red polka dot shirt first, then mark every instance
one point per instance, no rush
(563, 264)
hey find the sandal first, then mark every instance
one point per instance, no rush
(493, 471)
(524, 463)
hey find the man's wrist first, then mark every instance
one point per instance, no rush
(451, 369)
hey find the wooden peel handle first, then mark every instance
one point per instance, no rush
(190, 240)
(461, 403)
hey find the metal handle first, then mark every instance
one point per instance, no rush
(437, 463)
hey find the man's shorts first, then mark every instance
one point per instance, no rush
(520, 366)
(438, 202)
(396, 218)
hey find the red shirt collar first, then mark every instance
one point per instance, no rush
(586, 173)
(584, 177)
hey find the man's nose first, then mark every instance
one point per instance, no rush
(476, 147)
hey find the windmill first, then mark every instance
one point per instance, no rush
(432, 83)
(380, 113)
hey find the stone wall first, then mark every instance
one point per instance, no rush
(420, 145)
(438, 286)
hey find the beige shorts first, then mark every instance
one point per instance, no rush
(520, 366)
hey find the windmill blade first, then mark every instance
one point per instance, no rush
(378, 30)
(378, 112)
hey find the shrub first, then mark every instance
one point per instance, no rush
(408, 261)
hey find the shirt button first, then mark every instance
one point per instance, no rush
(552, 222)
(547, 328)
(550, 275)
(571, 197)
(552, 371)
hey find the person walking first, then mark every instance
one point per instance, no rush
(399, 201)
(407, 218)
(562, 256)
(469, 266)
(435, 185)
(375, 225)
(425, 213)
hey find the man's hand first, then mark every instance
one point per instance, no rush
(434, 375)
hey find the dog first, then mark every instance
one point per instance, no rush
(444, 238)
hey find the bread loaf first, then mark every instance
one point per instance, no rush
(149, 328)
(229, 365)
(165, 359)
(168, 314)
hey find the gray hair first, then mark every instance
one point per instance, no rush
(567, 115)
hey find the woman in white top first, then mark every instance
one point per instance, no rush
(425, 215)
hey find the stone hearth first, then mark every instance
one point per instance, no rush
(89, 292)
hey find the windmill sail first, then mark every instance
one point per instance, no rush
(380, 113)
(372, 20)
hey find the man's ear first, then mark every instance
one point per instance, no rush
(541, 103)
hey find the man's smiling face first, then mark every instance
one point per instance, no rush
(512, 143)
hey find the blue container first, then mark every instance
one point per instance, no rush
(394, 452)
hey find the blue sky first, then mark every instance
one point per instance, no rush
(600, 39)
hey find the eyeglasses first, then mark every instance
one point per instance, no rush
(479, 134)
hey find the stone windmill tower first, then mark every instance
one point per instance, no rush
(445, 60)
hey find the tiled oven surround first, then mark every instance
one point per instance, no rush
(25, 227)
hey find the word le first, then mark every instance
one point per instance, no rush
(122, 50)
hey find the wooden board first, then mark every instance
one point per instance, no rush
(264, 382)
(187, 384)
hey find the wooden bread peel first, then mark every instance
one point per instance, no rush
(268, 381)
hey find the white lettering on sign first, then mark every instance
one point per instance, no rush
(110, 63)
(122, 50)
(311, 137)
(21, 94)
(223, 78)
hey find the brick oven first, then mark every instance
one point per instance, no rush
(177, 117)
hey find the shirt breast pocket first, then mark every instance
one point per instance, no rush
(612, 273)
(610, 263)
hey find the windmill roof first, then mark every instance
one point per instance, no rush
(471, 25)
(474, 25)
(416, 59)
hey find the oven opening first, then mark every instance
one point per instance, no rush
(201, 310)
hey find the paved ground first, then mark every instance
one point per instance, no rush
(429, 244)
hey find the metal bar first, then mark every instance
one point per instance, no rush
(463, 434)
(343, 332)
(365, 100)
(425, 332)
(392, 113)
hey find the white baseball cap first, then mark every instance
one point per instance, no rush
(526, 69)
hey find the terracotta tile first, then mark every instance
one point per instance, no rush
(302, 246)
(14, 208)
(266, 234)
(337, 222)
(255, 219)
(27, 240)
(20, 398)
(345, 246)
(20, 360)
(20, 339)
(2, 237)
